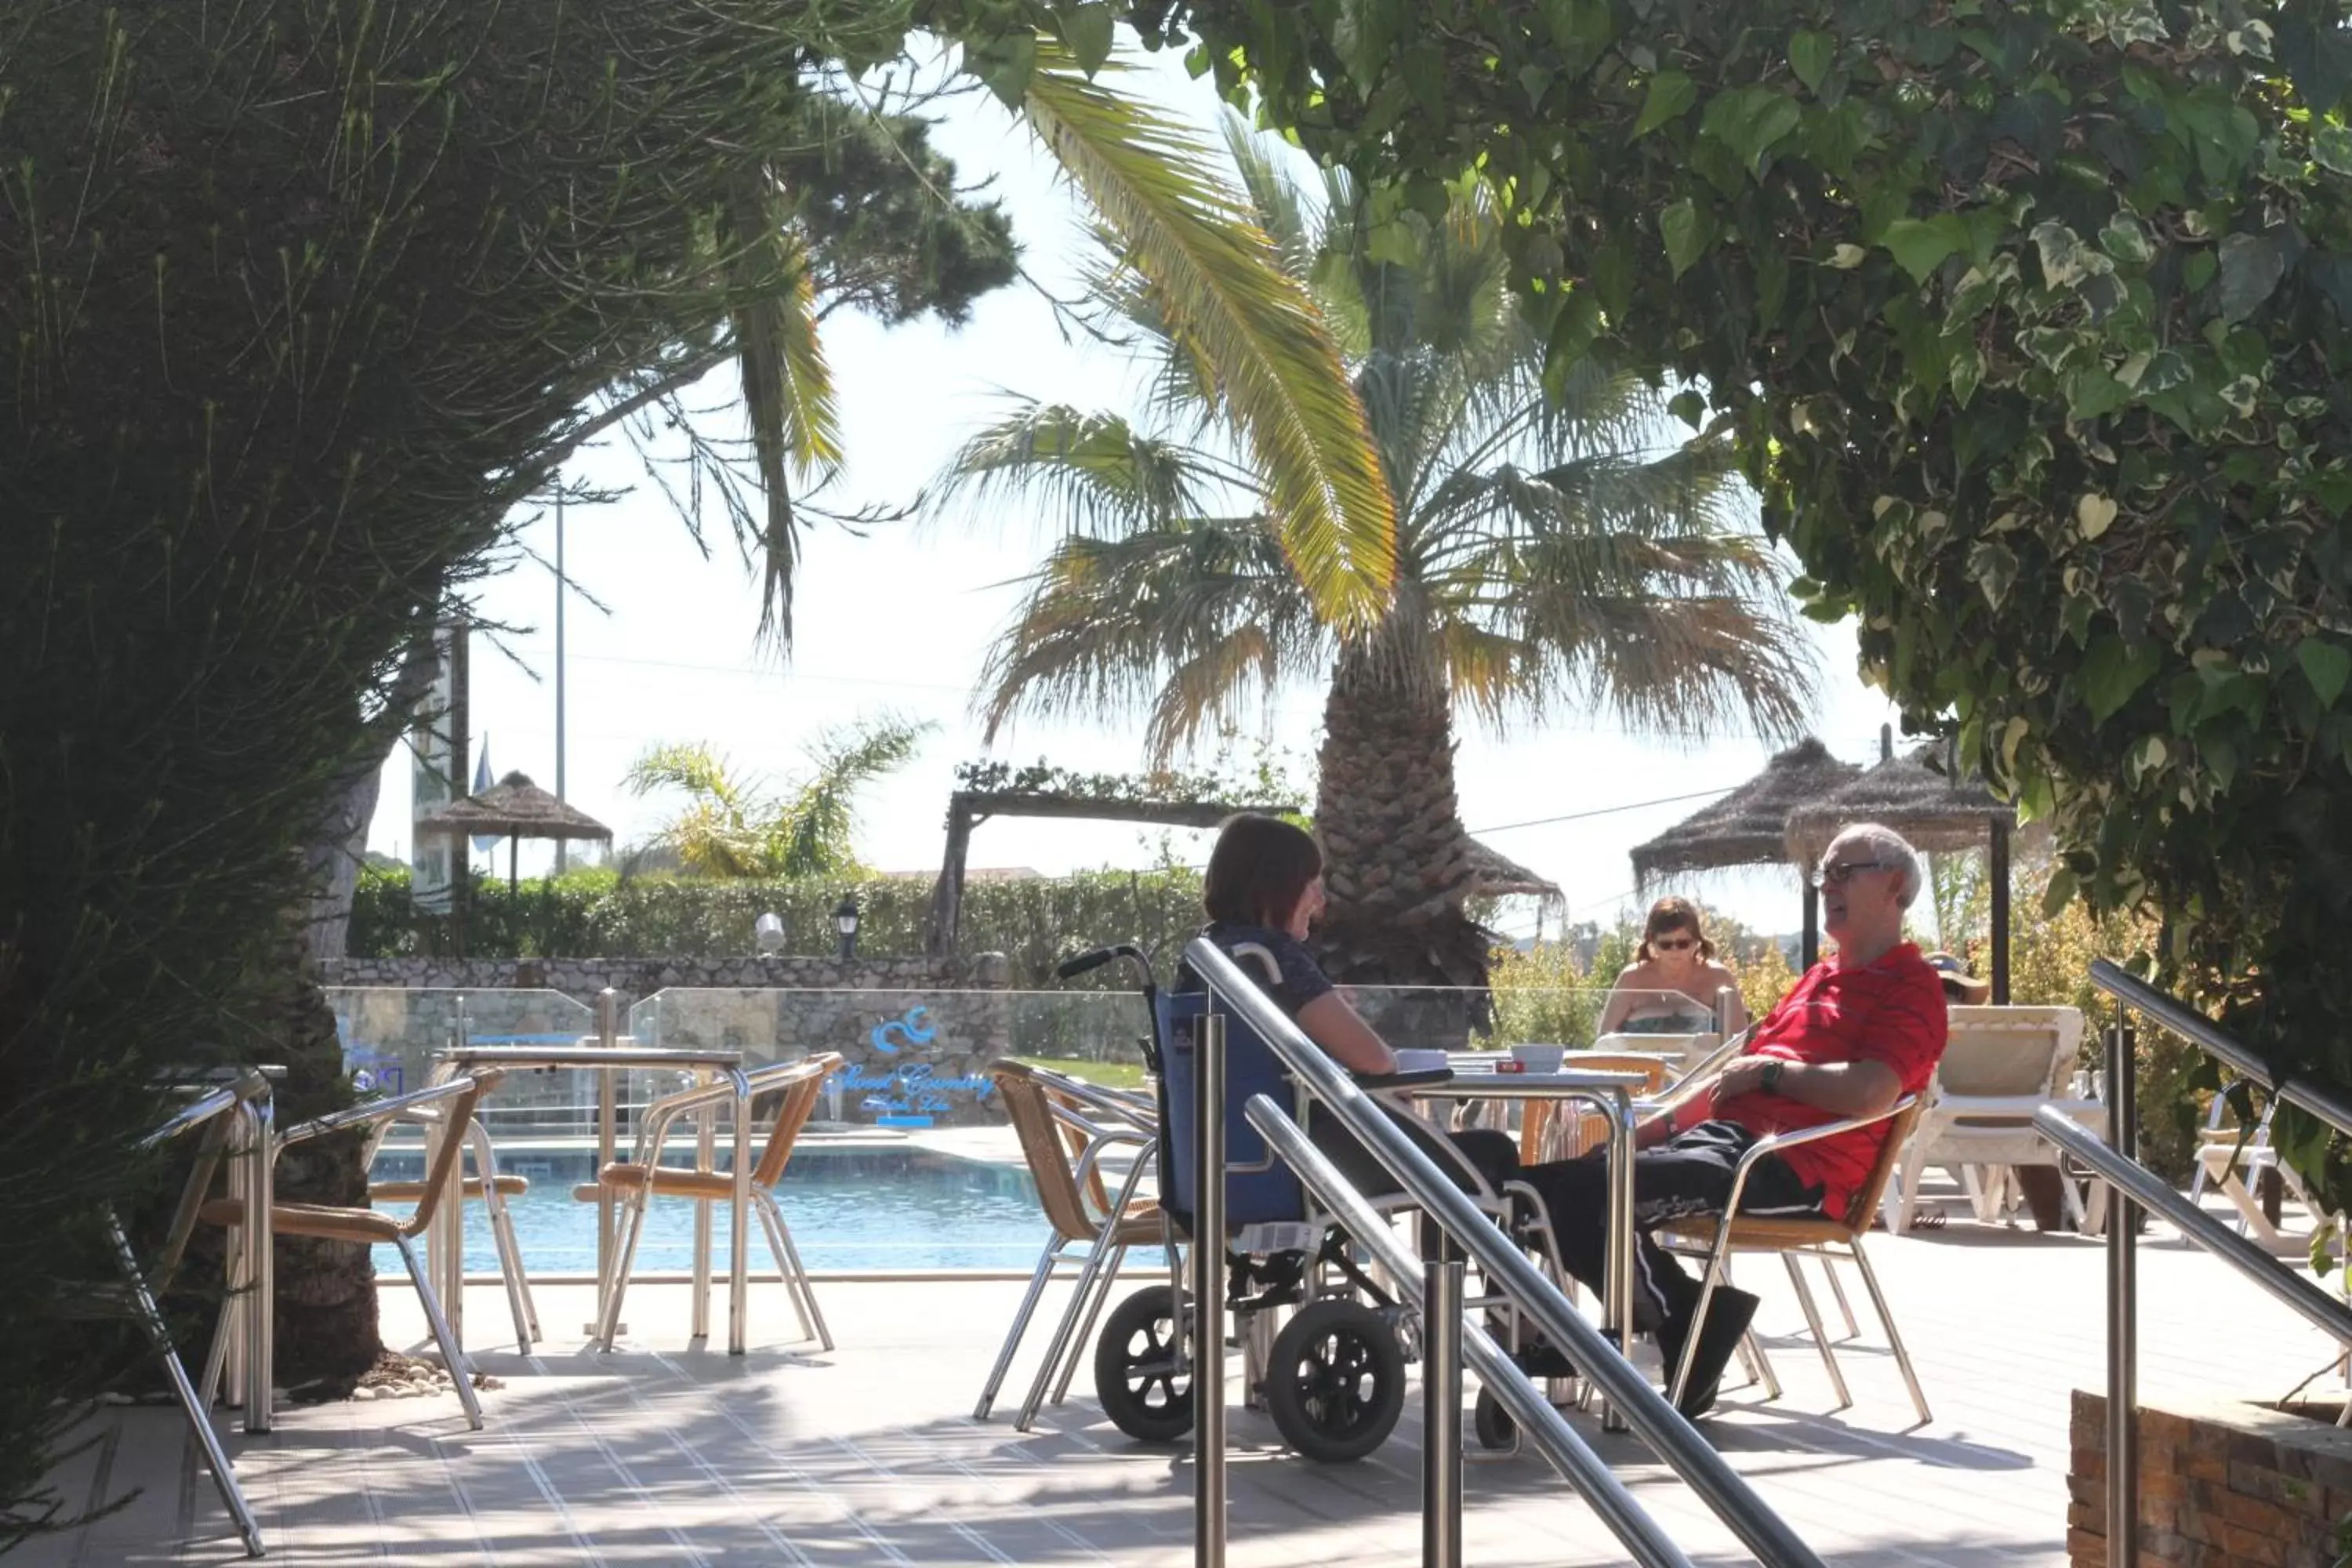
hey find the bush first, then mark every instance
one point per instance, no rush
(1033, 922)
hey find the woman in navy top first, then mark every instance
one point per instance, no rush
(1263, 892)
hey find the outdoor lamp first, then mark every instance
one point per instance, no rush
(844, 920)
(768, 935)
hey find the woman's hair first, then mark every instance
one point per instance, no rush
(1668, 915)
(1259, 870)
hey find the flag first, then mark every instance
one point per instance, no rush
(484, 842)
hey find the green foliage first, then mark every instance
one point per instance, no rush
(1546, 555)
(2029, 323)
(733, 826)
(298, 299)
(1034, 922)
(1267, 782)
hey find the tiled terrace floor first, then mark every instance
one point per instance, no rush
(667, 1453)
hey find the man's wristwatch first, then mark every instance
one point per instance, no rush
(1772, 1075)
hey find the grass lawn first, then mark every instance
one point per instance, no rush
(1110, 1075)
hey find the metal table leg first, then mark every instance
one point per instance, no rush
(705, 1144)
(738, 1233)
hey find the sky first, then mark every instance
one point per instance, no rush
(899, 621)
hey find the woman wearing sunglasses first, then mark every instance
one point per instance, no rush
(1671, 986)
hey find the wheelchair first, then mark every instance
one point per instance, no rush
(1325, 1344)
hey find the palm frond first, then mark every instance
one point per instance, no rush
(1095, 473)
(1279, 372)
(759, 254)
(816, 832)
(1190, 623)
(811, 414)
(690, 766)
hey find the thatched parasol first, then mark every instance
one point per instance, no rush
(1917, 796)
(1749, 827)
(514, 808)
(1495, 875)
(1924, 797)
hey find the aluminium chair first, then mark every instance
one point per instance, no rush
(1065, 1127)
(449, 1105)
(642, 1177)
(1831, 1240)
(134, 1294)
(492, 1187)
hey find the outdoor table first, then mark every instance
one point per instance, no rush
(1611, 1094)
(446, 1251)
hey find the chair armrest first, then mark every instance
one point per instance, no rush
(399, 1105)
(1095, 1096)
(1776, 1141)
(195, 1113)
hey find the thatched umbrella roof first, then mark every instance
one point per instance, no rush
(514, 807)
(1748, 826)
(1497, 875)
(1917, 796)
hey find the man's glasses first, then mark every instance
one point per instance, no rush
(1837, 874)
(1673, 943)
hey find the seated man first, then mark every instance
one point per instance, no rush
(1856, 1033)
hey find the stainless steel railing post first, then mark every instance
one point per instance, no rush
(1618, 1272)
(1646, 1540)
(1208, 1293)
(2122, 1322)
(1441, 1437)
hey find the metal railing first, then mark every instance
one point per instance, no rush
(2134, 1187)
(1505, 1267)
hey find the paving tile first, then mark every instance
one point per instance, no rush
(668, 1452)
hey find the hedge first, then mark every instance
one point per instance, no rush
(1034, 920)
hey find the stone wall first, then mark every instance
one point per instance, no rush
(2222, 1485)
(916, 1033)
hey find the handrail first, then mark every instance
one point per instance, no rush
(2148, 1190)
(2133, 992)
(1659, 1425)
(1544, 1424)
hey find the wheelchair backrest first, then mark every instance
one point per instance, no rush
(1258, 1187)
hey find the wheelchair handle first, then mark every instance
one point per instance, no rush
(1080, 963)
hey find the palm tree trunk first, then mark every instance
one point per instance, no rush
(328, 1333)
(1399, 871)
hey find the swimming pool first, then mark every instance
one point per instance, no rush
(864, 1208)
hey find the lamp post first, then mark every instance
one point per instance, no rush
(768, 935)
(844, 920)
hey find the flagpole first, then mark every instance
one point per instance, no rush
(559, 666)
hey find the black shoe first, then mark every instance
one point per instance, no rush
(1727, 1317)
(1536, 1355)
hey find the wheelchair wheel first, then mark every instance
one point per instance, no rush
(1491, 1423)
(1141, 1374)
(1335, 1383)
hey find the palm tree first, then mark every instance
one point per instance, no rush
(1551, 552)
(733, 827)
(1159, 195)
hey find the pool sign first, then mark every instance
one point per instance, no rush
(909, 1093)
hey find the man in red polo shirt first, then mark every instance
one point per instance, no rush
(1859, 1031)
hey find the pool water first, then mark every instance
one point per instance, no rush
(868, 1209)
